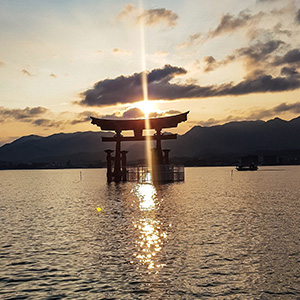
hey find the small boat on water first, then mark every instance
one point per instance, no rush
(251, 167)
(248, 163)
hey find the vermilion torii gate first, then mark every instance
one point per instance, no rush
(137, 126)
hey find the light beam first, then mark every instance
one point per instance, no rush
(145, 82)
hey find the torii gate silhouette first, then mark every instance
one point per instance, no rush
(161, 157)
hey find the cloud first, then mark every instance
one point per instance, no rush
(266, 1)
(34, 116)
(274, 111)
(43, 117)
(158, 16)
(256, 114)
(254, 55)
(136, 113)
(24, 115)
(82, 117)
(150, 17)
(277, 29)
(260, 51)
(129, 113)
(1, 64)
(264, 83)
(213, 121)
(123, 89)
(259, 54)
(129, 89)
(36, 110)
(289, 8)
(291, 57)
(210, 63)
(293, 107)
(229, 23)
(289, 71)
(164, 113)
(47, 123)
(127, 11)
(25, 72)
(192, 40)
(121, 52)
(133, 113)
(161, 54)
(297, 19)
(254, 74)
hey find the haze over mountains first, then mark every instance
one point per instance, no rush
(222, 143)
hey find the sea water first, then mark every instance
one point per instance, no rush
(220, 234)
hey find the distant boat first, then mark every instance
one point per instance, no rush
(251, 167)
(248, 163)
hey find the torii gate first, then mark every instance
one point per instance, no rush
(137, 125)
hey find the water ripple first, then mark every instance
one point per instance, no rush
(210, 237)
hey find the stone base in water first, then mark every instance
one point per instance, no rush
(160, 173)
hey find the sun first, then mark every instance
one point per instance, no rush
(146, 107)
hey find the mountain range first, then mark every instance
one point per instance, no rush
(221, 144)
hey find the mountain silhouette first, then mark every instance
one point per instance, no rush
(241, 137)
(220, 142)
(55, 148)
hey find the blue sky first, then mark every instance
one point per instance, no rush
(62, 61)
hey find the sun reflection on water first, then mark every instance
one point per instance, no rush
(147, 195)
(150, 233)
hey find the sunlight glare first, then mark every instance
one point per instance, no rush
(144, 82)
(146, 107)
(146, 194)
(150, 242)
(151, 235)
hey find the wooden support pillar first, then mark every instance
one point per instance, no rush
(109, 159)
(117, 169)
(166, 156)
(124, 163)
(159, 154)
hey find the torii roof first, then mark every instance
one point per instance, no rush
(139, 124)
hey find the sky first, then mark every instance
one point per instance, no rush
(62, 61)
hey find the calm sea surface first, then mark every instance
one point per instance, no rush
(218, 235)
